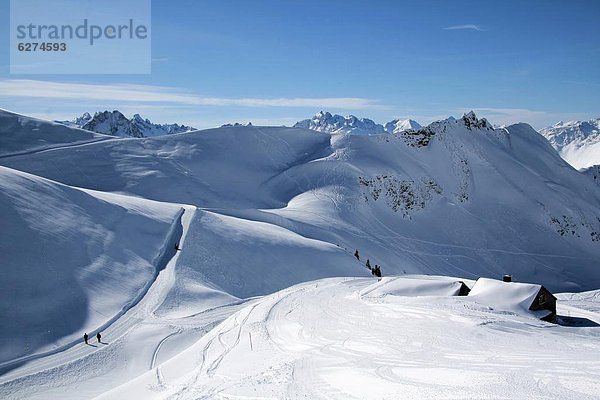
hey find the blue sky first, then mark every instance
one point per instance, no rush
(275, 62)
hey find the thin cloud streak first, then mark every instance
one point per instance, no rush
(160, 94)
(467, 26)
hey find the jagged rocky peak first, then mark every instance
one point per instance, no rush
(236, 124)
(116, 124)
(83, 119)
(471, 121)
(112, 123)
(138, 118)
(324, 121)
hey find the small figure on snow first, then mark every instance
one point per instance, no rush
(368, 264)
(177, 247)
(99, 336)
(357, 255)
(376, 271)
(85, 338)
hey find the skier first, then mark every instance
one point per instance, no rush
(99, 336)
(368, 264)
(85, 338)
(356, 255)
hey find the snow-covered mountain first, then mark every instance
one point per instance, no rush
(433, 194)
(328, 123)
(578, 142)
(335, 124)
(116, 124)
(246, 211)
(400, 125)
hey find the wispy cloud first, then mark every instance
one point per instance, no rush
(466, 26)
(161, 94)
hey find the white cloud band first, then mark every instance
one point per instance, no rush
(160, 94)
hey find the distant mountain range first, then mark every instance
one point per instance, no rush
(335, 124)
(114, 123)
(578, 142)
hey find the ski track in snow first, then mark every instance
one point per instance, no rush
(60, 146)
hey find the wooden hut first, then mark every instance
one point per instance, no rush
(521, 298)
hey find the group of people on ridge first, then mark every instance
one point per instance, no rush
(375, 271)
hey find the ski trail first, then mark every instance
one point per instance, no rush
(58, 147)
(240, 325)
(160, 344)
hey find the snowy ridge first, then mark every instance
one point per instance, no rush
(20, 134)
(593, 172)
(116, 124)
(418, 201)
(53, 223)
(578, 142)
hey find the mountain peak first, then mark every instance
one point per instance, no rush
(114, 123)
(400, 125)
(324, 121)
(578, 142)
(470, 120)
(336, 124)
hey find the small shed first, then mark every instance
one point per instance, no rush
(520, 298)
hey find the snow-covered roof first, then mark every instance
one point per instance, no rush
(413, 286)
(507, 296)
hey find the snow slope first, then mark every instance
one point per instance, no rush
(20, 134)
(578, 142)
(593, 172)
(280, 206)
(72, 260)
(455, 198)
(324, 340)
